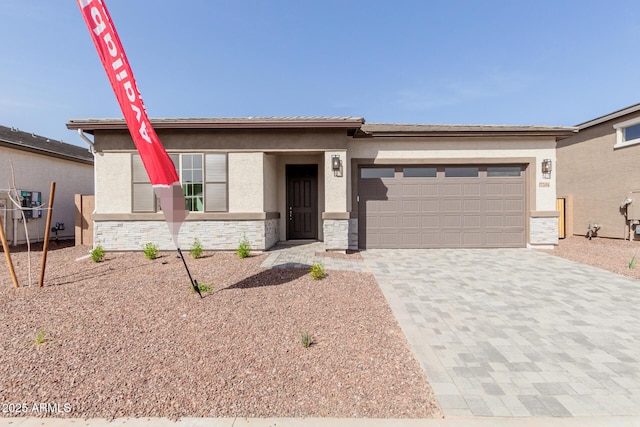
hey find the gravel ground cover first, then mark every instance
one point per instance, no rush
(128, 337)
(615, 255)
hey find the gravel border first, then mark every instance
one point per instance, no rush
(127, 337)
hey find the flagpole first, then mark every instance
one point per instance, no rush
(194, 283)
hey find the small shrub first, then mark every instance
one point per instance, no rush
(97, 254)
(244, 250)
(632, 263)
(317, 271)
(196, 249)
(151, 250)
(41, 337)
(306, 339)
(203, 287)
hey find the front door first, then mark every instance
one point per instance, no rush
(302, 201)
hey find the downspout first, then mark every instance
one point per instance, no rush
(92, 150)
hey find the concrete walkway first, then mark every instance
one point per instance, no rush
(515, 332)
(301, 254)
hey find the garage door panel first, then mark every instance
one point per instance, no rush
(411, 222)
(430, 222)
(429, 190)
(471, 221)
(471, 205)
(472, 239)
(451, 221)
(513, 189)
(471, 189)
(411, 190)
(410, 207)
(418, 211)
(452, 205)
(449, 189)
(429, 206)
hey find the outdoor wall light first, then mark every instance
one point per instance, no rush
(335, 163)
(546, 166)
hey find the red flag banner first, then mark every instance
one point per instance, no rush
(158, 164)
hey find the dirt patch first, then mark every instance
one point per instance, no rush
(614, 255)
(128, 337)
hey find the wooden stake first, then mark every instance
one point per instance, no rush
(45, 245)
(5, 246)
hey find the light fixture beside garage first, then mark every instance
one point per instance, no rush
(336, 164)
(546, 168)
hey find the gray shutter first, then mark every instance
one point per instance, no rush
(216, 197)
(216, 167)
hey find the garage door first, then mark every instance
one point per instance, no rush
(441, 206)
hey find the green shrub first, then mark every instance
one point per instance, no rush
(196, 249)
(203, 287)
(151, 250)
(244, 250)
(41, 337)
(632, 263)
(317, 271)
(306, 339)
(97, 254)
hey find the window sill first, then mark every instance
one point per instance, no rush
(626, 143)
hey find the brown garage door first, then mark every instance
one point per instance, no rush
(441, 206)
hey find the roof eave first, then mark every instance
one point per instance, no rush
(557, 133)
(52, 153)
(611, 116)
(89, 126)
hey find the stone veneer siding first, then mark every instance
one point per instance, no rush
(353, 234)
(543, 231)
(336, 234)
(214, 235)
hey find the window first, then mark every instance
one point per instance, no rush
(367, 173)
(502, 171)
(461, 172)
(627, 133)
(203, 178)
(420, 172)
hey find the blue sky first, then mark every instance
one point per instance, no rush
(456, 62)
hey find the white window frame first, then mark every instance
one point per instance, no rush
(620, 127)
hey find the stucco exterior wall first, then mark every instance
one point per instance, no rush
(113, 183)
(335, 190)
(270, 183)
(246, 182)
(34, 172)
(598, 177)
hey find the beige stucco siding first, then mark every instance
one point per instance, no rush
(270, 183)
(467, 150)
(335, 191)
(34, 172)
(113, 183)
(246, 182)
(598, 177)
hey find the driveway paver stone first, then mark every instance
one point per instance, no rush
(515, 332)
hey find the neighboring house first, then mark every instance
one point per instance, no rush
(36, 162)
(335, 179)
(597, 170)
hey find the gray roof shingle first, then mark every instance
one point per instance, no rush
(15, 138)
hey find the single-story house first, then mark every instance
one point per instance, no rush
(37, 161)
(335, 179)
(598, 175)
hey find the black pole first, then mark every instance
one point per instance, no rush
(193, 282)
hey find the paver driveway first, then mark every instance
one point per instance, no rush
(515, 332)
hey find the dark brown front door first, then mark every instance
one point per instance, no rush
(302, 201)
